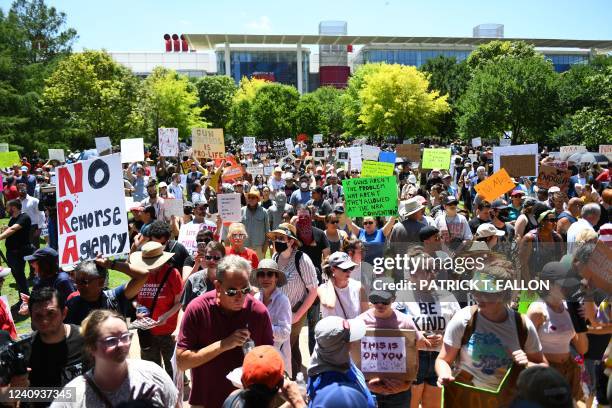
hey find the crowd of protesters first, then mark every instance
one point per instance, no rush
(297, 263)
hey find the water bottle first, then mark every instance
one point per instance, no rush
(248, 345)
(299, 380)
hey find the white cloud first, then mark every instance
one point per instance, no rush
(262, 24)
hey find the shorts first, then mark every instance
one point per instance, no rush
(427, 368)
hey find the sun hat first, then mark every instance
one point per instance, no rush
(410, 207)
(263, 365)
(269, 265)
(254, 191)
(285, 229)
(488, 230)
(560, 273)
(151, 256)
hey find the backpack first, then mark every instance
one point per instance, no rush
(298, 258)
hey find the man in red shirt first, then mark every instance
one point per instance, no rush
(214, 329)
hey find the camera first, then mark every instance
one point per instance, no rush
(14, 358)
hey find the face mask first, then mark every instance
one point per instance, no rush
(503, 216)
(303, 186)
(280, 246)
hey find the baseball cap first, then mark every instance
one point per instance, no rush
(545, 386)
(339, 209)
(451, 200)
(263, 365)
(488, 230)
(517, 192)
(561, 274)
(340, 260)
(42, 253)
(339, 396)
(24, 168)
(427, 232)
(499, 204)
(553, 189)
(383, 293)
(412, 179)
(162, 184)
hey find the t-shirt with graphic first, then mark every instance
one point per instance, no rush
(430, 311)
(165, 300)
(488, 353)
(457, 227)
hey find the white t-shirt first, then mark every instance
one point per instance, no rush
(139, 372)
(350, 297)
(488, 353)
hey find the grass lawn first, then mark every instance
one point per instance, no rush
(9, 288)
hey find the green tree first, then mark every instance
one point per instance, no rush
(240, 123)
(308, 114)
(498, 50)
(351, 103)
(450, 78)
(170, 100)
(320, 112)
(90, 95)
(395, 100)
(216, 92)
(273, 111)
(518, 94)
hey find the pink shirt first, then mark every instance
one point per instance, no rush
(398, 320)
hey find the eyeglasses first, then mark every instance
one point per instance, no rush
(112, 342)
(234, 292)
(348, 270)
(267, 274)
(209, 258)
(85, 282)
(238, 236)
(368, 222)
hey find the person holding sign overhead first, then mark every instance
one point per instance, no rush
(373, 238)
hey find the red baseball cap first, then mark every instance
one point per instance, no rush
(263, 365)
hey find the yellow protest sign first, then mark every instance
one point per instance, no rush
(8, 159)
(436, 159)
(495, 185)
(371, 168)
(208, 143)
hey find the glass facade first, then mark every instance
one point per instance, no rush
(409, 57)
(563, 62)
(282, 64)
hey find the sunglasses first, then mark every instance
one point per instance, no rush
(551, 219)
(368, 222)
(334, 222)
(348, 270)
(234, 292)
(267, 274)
(112, 342)
(85, 282)
(210, 258)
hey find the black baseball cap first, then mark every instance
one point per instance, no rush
(427, 232)
(42, 253)
(499, 205)
(451, 200)
(383, 293)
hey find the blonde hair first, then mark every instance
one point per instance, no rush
(586, 235)
(90, 327)
(236, 227)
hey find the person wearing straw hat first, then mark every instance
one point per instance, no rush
(159, 299)
(406, 232)
(268, 278)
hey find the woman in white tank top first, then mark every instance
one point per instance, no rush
(341, 295)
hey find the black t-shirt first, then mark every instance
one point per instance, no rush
(475, 222)
(180, 254)
(54, 365)
(21, 238)
(110, 299)
(315, 251)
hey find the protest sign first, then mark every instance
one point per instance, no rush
(57, 154)
(495, 185)
(233, 171)
(476, 142)
(320, 153)
(390, 353)
(103, 145)
(561, 165)
(355, 157)
(268, 170)
(519, 150)
(600, 267)
(132, 150)
(229, 207)
(87, 224)
(370, 196)
(255, 170)
(370, 152)
(173, 206)
(342, 155)
(318, 138)
(207, 143)
(436, 159)
(152, 172)
(519, 165)
(262, 146)
(387, 157)
(4, 147)
(9, 159)
(505, 142)
(567, 151)
(168, 142)
(411, 152)
(370, 168)
(606, 150)
(473, 157)
(187, 236)
(279, 149)
(248, 145)
(129, 203)
(289, 145)
(550, 176)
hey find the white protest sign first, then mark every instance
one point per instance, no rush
(248, 145)
(383, 354)
(518, 150)
(473, 157)
(355, 157)
(255, 170)
(187, 236)
(342, 155)
(91, 214)
(173, 206)
(129, 203)
(370, 152)
(317, 138)
(57, 154)
(319, 153)
(229, 207)
(152, 172)
(168, 142)
(4, 147)
(268, 170)
(289, 145)
(132, 150)
(103, 145)
(476, 142)
(505, 142)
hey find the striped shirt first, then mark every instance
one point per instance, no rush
(295, 289)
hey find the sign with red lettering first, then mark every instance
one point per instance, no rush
(91, 215)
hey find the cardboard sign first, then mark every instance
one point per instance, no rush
(390, 353)
(411, 152)
(318, 138)
(91, 215)
(103, 145)
(495, 185)
(355, 157)
(601, 267)
(4, 147)
(208, 143)
(387, 157)
(436, 159)
(519, 150)
(370, 168)
(342, 155)
(370, 152)
(268, 170)
(168, 142)
(370, 196)
(57, 154)
(603, 149)
(280, 149)
(567, 151)
(248, 145)
(320, 153)
(173, 206)
(229, 207)
(187, 236)
(132, 150)
(561, 165)
(9, 159)
(476, 142)
(552, 176)
(519, 165)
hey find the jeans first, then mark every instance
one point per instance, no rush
(162, 347)
(15, 261)
(294, 340)
(314, 315)
(399, 400)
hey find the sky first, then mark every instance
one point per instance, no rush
(139, 25)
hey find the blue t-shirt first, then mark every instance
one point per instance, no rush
(61, 282)
(110, 299)
(352, 378)
(374, 244)
(299, 197)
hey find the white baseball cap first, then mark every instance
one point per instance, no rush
(488, 230)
